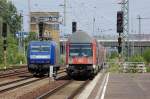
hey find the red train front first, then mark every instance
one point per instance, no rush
(84, 56)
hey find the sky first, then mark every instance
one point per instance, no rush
(85, 11)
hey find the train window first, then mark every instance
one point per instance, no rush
(80, 50)
(40, 48)
(74, 52)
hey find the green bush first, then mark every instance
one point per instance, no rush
(146, 55)
(136, 58)
(113, 55)
(114, 68)
(20, 58)
(13, 56)
(12, 49)
(147, 68)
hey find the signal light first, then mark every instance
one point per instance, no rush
(119, 40)
(74, 27)
(120, 21)
(119, 49)
(119, 43)
(41, 29)
(4, 31)
(4, 44)
(4, 47)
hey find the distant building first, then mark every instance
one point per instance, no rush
(51, 24)
(139, 36)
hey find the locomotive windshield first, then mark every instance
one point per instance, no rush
(80, 50)
(40, 48)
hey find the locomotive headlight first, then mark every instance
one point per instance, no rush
(94, 66)
(67, 66)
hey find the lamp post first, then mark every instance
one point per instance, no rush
(64, 12)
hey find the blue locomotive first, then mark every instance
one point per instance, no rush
(40, 55)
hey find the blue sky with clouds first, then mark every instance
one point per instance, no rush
(83, 11)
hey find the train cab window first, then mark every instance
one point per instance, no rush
(40, 48)
(80, 50)
(74, 52)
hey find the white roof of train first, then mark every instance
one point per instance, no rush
(80, 37)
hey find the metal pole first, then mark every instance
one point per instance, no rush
(64, 12)
(128, 26)
(139, 18)
(125, 35)
(133, 48)
(19, 42)
(5, 61)
(5, 56)
(139, 24)
(22, 34)
(140, 34)
(29, 9)
(51, 73)
(94, 26)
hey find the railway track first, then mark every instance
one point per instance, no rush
(14, 70)
(14, 73)
(18, 83)
(18, 70)
(14, 81)
(14, 67)
(61, 70)
(67, 90)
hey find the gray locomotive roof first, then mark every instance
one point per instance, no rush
(80, 37)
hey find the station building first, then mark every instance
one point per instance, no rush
(50, 23)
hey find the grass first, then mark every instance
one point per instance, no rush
(2, 66)
(114, 68)
(148, 69)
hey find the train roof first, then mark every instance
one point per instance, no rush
(42, 43)
(80, 37)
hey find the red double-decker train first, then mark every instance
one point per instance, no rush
(84, 55)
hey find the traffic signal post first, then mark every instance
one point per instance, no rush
(41, 29)
(120, 28)
(74, 27)
(120, 22)
(4, 34)
(119, 44)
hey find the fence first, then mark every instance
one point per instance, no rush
(134, 67)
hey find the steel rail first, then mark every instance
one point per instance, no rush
(20, 85)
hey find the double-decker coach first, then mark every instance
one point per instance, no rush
(84, 55)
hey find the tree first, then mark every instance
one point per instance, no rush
(32, 36)
(8, 13)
